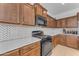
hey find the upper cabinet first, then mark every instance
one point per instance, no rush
(72, 22)
(69, 22)
(51, 22)
(78, 16)
(27, 14)
(63, 23)
(9, 12)
(40, 10)
(59, 25)
(17, 13)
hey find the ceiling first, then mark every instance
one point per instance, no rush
(58, 8)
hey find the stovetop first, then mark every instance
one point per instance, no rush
(43, 36)
(40, 34)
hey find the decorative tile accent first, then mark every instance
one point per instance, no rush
(3, 32)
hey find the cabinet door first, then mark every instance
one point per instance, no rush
(63, 22)
(27, 14)
(48, 21)
(12, 53)
(33, 52)
(62, 40)
(72, 41)
(72, 22)
(55, 40)
(59, 25)
(9, 12)
(51, 22)
(27, 48)
(54, 23)
(78, 16)
(78, 42)
(38, 9)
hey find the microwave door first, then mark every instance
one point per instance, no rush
(40, 22)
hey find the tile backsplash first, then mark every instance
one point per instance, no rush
(12, 31)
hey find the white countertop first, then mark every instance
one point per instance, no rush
(69, 34)
(9, 45)
(6, 46)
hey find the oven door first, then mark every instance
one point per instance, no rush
(46, 47)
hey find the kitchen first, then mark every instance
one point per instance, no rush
(28, 29)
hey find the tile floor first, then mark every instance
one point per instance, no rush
(60, 50)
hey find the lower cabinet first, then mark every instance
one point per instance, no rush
(78, 42)
(72, 41)
(62, 40)
(12, 53)
(55, 40)
(66, 40)
(33, 52)
(28, 50)
(58, 39)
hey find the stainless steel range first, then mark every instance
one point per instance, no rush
(46, 42)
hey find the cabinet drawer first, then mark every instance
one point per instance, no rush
(62, 43)
(29, 47)
(33, 52)
(73, 45)
(62, 40)
(71, 40)
(11, 53)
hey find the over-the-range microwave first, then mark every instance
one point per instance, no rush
(41, 21)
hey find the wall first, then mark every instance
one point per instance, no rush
(11, 31)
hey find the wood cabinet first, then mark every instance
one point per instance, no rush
(59, 25)
(72, 22)
(78, 16)
(27, 14)
(68, 22)
(78, 42)
(62, 40)
(59, 39)
(40, 10)
(33, 52)
(66, 40)
(72, 41)
(28, 50)
(9, 12)
(51, 22)
(12, 53)
(55, 40)
(31, 49)
(17, 13)
(63, 23)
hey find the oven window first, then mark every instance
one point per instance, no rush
(46, 48)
